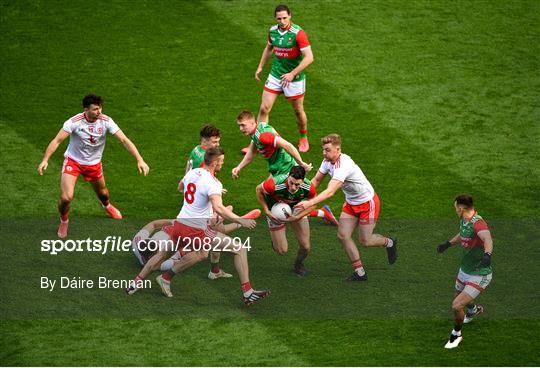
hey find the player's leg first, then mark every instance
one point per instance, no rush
(368, 216)
(301, 120)
(346, 227)
(279, 240)
(215, 270)
(267, 102)
(227, 244)
(67, 190)
(326, 214)
(186, 261)
(301, 230)
(102, 192)
(459, 302)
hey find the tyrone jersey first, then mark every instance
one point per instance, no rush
(199, 185)
(196, 158)
(276, 189)
(356, 187)
(87, 139)
(287, 46)
(472, 246)
(264, 139)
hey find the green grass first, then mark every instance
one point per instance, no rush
(432, 99)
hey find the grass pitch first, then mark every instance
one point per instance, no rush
(432, 99)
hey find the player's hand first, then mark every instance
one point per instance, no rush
(247, 223)
(291, 218)
(42, 167)
(258, 74)
(286, 79)
(143, 167)
(235, 172)
(307, 167)
(301, 206)
(485, 262)
(224, 191)
(444, 246)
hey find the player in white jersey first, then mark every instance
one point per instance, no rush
(192, 234)
(361, 207)
(87, 132)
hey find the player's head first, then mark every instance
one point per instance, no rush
(463, 203)
(283, 16)
(296, 178)
(210, 136)
(213, 158)
(92, 106)
(246, 122)
(331, 145)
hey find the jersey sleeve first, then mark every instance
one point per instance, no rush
(324, 168)
(302, 40)
(344, 169)
(111, 126)
(480, 225)
(269, 186)
(215, 188)
(268, 139)
(68, 126)
(312, 191)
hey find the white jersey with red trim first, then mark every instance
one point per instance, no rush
(356, 187)
(87, 139)
(199, 185)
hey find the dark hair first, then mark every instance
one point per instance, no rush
(245, 115)
(298, 172)
(464, 200)
(212, 153)
(92, 100)
(282, 7)
(209, 131)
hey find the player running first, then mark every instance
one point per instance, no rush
(289, 43)
(475, 271)
(361, 207)
(87, 132)
(290, 189)
(210, 137)
(202, 196)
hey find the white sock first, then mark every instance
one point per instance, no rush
(390, 243)
(360, 271)
(456, 333)
(320, 213)
(167, 265)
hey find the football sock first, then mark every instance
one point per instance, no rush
(357, 265)
(301, 255)
(168, 275)
(215, 267)
(389, 243)
(471, 308)
(317, 213)
(247, 289)
(167, 265)
(303, 133)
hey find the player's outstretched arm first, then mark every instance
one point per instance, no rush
(291, 150)
(444, 246)
(306, 61)
(130, 147)
(333, 186)
(51, 148)
(220, 209)
(267, 52)
(245, 161)
(317, 179)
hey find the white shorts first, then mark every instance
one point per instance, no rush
(472, 284)
(293, 91)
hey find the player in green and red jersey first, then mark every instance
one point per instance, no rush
(280, 154)
(290, 46)
(288, 188)
(475, 270)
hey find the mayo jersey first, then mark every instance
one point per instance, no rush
(87, 139)
(199, 185)
(356, 187)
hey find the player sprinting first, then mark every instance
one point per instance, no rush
(288, 188)
(475, 271)
(292, 50)
(210, 137)
(202, 196)
(280, 154)
(361, 207)
(87, 132)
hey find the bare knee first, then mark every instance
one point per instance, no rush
(457, 306)
(281, 249)
(343, 237)
(265, 109)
